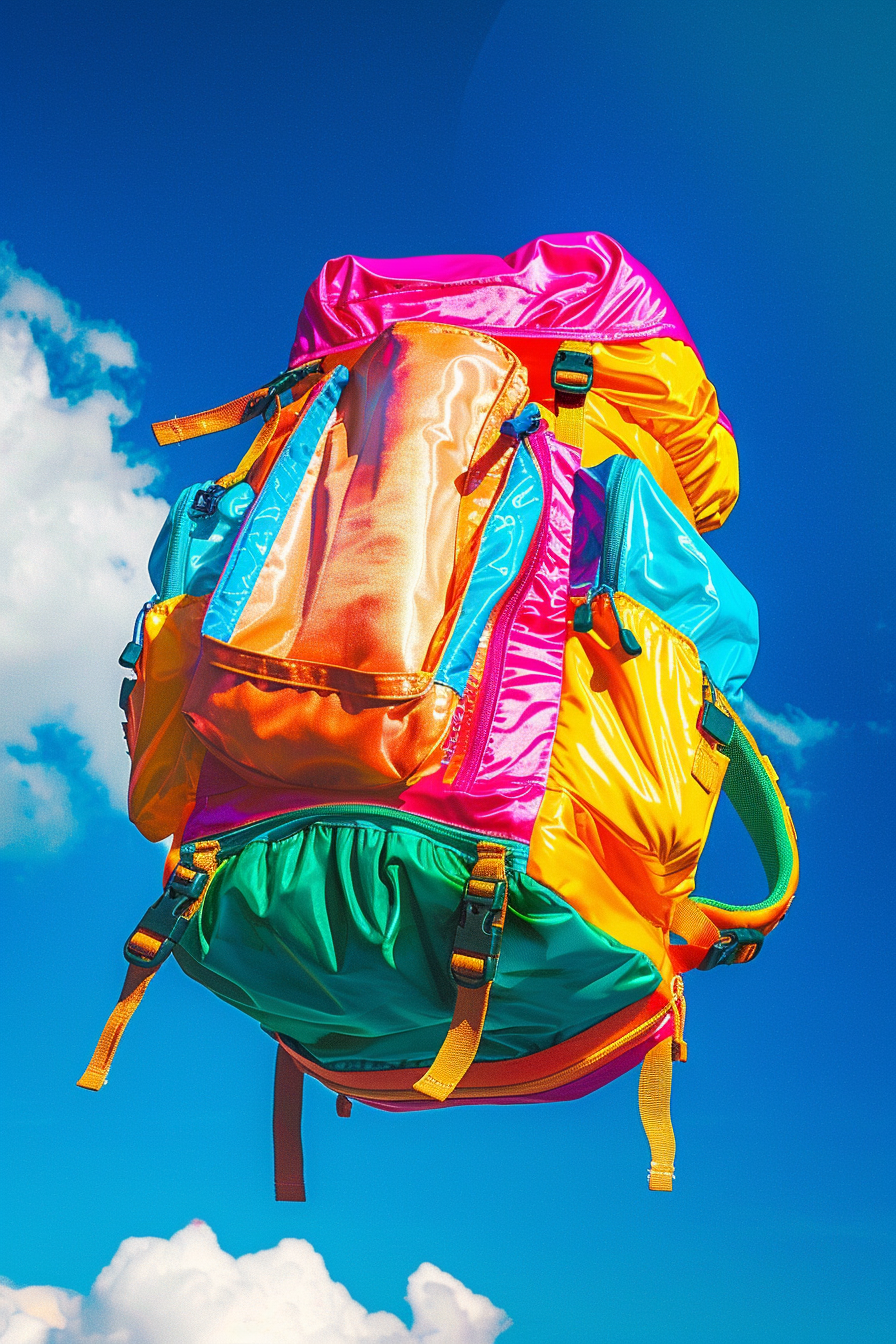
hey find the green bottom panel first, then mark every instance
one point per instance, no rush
(340, 935)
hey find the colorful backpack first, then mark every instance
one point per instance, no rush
(438, 690)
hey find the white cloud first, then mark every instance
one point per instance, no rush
(794, 730)
(188, 1291)
(77, 530)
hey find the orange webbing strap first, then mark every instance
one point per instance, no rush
(474, 960)
(571, 386)
(135, 982)
(289, 1160)
(154, 938)
(232, 413)
(698, 931)
(654, 1103)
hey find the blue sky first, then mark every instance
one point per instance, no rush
(181, 176)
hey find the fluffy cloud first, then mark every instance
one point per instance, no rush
(77, 528)
(188, 1291)
(794, 730)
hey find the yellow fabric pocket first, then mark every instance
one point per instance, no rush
(633, 783)
(166, 755)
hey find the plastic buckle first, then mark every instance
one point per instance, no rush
(262, 404)
(476, 935)
(205, 502)
(716, 724)
(724, 952)
(576, 362)
(526, 422)
(165, 919)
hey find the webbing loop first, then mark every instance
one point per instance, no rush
(572, 375)
(153, 940)
(473, 964)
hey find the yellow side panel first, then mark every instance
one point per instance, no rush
(625, 816)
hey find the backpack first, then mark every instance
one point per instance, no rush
(438, 690)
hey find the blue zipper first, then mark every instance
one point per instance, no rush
(611, 574)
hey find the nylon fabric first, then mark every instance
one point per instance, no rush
(166, 757)
(624, 821)
(668, 567)
(507, 537)
(135, 985)
(340, 938)
(654, 1102)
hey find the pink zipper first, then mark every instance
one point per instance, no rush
(493, 671)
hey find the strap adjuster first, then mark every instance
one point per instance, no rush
(478, 937)
(572, 372)
(733, 947)
(166, 921)
(262, 404)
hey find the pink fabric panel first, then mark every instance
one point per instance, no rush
(571, 1092)
(504, 797)
(581, 286)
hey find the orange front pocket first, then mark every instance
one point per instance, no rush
(165, 754)
(326, 738)
(322, 638)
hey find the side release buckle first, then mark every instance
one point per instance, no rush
(477, 942)
(572, 372)
(733, 947)
(165, 922)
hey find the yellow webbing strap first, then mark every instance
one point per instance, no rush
(654, 1098)
(146, 944)
(135, 982)
(570, 425)
(459, 1048)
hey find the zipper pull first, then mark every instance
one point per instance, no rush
(130, 654)
(583, 620)
(626, 638)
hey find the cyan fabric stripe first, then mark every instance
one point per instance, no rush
(269, 511)
(508, 534)
(664, 564)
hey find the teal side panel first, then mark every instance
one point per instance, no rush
(340, 937)
(507, 537)
(668, 566)
(207, 543)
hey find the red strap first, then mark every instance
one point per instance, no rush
(289, 1163)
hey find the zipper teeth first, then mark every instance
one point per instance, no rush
(491, 677)
(232, 841)
(619, 499)
(176, 545)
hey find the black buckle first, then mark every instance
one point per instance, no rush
(165, 919)
(572, 361)
(724, 952)
(205, 502)
(264, 402)
(476, 934)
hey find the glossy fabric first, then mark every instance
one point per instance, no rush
(562, 286)
(340, 935)
(166, 757)
(510, 732)
(507, 537)
(206, 542)
(651, 397)
(353, 565)
(242, 575)
(668, 567)
(624, 818)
